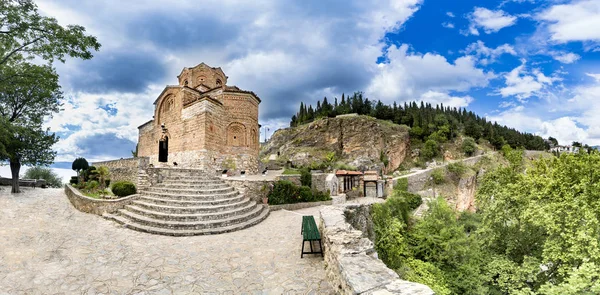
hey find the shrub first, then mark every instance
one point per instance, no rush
(123, 188)
(90, 173)
(469, 146)
(107, 183)
(91, 185)
(413, 200)
(430, 150)
(438, 176)
(283, 191)
(74, 180)
(401, 185)
(457, 169)
(80, 164)
(318, 196)
(305, 177)
(305, 194)
(52, 179)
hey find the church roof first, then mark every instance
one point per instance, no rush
(202, 64)
(238, 90)
(163, 92)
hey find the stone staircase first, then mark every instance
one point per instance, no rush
(187, 203)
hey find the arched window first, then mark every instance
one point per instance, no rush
(219, 83)
(254, 137)
(236, 134)
(185, 83)
(168, 104)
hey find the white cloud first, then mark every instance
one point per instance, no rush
(448, 25)
(450, 14)
(566, 57)
(491, 21)
(435, 97)
(489, 55)
(523, 84)
(595, 76)
(409, 76)
(576, 21)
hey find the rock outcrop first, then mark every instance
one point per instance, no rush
(359, 141)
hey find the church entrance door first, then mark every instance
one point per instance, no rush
(163, 150)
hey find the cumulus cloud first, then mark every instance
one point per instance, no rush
(523, 84)
(489, 55)
(450, 14)
(491, 21)
(566, 57)
(448, 25)
(409, 76)
(576, 21)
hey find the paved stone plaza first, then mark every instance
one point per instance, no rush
(48, 247)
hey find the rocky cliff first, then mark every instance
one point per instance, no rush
(359, 141)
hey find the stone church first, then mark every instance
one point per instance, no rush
(203, 123)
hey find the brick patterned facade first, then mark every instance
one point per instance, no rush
(203, 123)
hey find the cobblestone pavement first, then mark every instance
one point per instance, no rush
(48, 247)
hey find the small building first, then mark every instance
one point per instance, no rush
(565, 149)
(348, 180)
(372, 185)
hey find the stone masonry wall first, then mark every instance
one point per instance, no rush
(255, 190)
(351, 261)
(122, 170)
(95, 206)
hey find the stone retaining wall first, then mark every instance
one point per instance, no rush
(298, 206)
(255, 190)
(351, 261)
(24, 182)
(123, 169)
(95, 206)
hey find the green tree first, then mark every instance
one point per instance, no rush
(29, 93)
(52, 179)
(80, 165)
(469, 146)
(430, 150)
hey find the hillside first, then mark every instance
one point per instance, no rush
(359, 141)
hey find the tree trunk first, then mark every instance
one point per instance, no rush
(15, 166)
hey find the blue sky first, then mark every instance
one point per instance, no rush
(532, 65)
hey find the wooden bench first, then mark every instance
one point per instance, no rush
(310, 233)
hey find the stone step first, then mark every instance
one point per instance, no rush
(191, 203)
(171, 232)
(191, 185)
(177, 208)
(192, 181)
(189, 197)
(195, 216)
(195, 191)
(190, 225)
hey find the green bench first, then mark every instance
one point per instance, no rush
(310, 233)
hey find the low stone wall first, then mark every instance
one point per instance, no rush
(24, 182)
(298, 206)
(95, 206)
(123, 169)
(351, 261)
(255, 190)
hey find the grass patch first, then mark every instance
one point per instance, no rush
(289, 171)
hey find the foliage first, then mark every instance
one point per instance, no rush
(469, 146)
(384, 159)
(344, 166)
(401, 184)
(426, 273)
(90, 173)
(91, 185)
(438, 123)
(430, 150)
(438, 176)
(413, 201)
(330, 158)
(305, 177)
(102, 172)
(52, 179)
(123, 188)
(80, 164)
(456, 169)
(286, 192)
(74, 180)
(390, 244)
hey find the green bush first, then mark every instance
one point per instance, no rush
(413, 200)
(430, 150)
(305, 177)
(91, 185)
(52, 179)
(107, 183)
(90, 173)
(401, 185)
(123, 188)
(457, 169)
(74, 180)
(286, 192)
(438, 176)
(469, 146)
